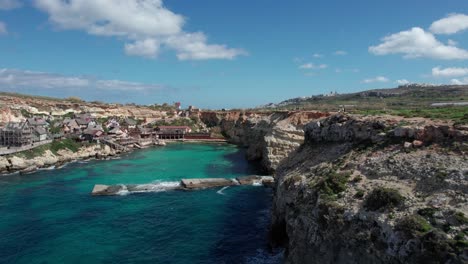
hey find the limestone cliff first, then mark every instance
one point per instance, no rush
(374, 190)
(19, 162)
(268, 137)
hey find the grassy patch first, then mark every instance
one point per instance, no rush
(414, 225)
(383, 198)
(55, 146)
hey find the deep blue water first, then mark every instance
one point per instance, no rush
(50, 216)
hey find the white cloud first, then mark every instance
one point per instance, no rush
(340, 52)
(145, 48)
(17, 79)
(147, 24)
(459, 82)
(402, 82)
(416, 43)
(3, 28)
(451, 24)
(381, 79)
(452, 42)
(311, 66)
(449, 72)
(9, 4)
(317, 55)
(193, 46)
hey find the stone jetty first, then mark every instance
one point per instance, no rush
(185, 184)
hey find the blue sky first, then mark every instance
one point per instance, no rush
(220, 53)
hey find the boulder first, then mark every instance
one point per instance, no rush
(418, 143)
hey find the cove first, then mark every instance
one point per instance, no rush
(50, 216)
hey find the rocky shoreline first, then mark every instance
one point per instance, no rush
(17, 163)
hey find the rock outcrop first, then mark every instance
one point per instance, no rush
(13, 163)
(353, 193)
(268, 137)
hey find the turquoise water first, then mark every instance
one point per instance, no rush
(50, 216)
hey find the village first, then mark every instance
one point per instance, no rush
(118, 132)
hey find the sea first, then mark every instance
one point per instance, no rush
(50, 216)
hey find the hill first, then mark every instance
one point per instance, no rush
(413, 100)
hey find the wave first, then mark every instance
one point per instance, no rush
(221, 190)
(157, 186)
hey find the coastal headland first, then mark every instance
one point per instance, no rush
(372, 187)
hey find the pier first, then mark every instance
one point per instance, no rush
(183, 185)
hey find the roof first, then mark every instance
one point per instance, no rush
(130, 122)
(37, 121)
(16, 126)
(83, 121)
(92, 130)
(40, 130)
(174, 127)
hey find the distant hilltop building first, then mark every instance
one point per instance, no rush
(177, 105)
(331, 94)
(417, 85)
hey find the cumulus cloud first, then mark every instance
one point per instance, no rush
(16, 79)
(3, 28)
(147, 24)
(146, 48)
(317, 55)
(451, 24)
(9, 4)
(416, 43)
(340, 52)
(312, 66)
(449, 72)
(380, 79)
(459, 81)
(402, 82)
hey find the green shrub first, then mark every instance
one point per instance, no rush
(359, 194)
(383, 198)
(413, 225)
(333, 184)
(461, 218)
(427, 212)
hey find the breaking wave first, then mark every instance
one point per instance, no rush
(157, 186)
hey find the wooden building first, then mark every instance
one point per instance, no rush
(16, 135)
(173, 132)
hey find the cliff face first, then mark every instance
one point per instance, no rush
(12, 163)
(268, 137)
(374, 190)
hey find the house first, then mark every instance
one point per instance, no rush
(173, 132)
(70, 126)
(16, 135)
(39, 134)
(84, 120)
(129, 123)
(37, 122)
(92, 132)
(175, 129)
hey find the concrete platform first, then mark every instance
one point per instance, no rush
(191, 184)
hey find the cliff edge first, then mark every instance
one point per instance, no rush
(374, 190)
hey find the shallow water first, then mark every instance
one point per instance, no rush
(50, 216)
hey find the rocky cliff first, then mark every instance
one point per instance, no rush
(268, 137)
(374, 190)
(19, 162)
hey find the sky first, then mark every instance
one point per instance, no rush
(227, 54)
